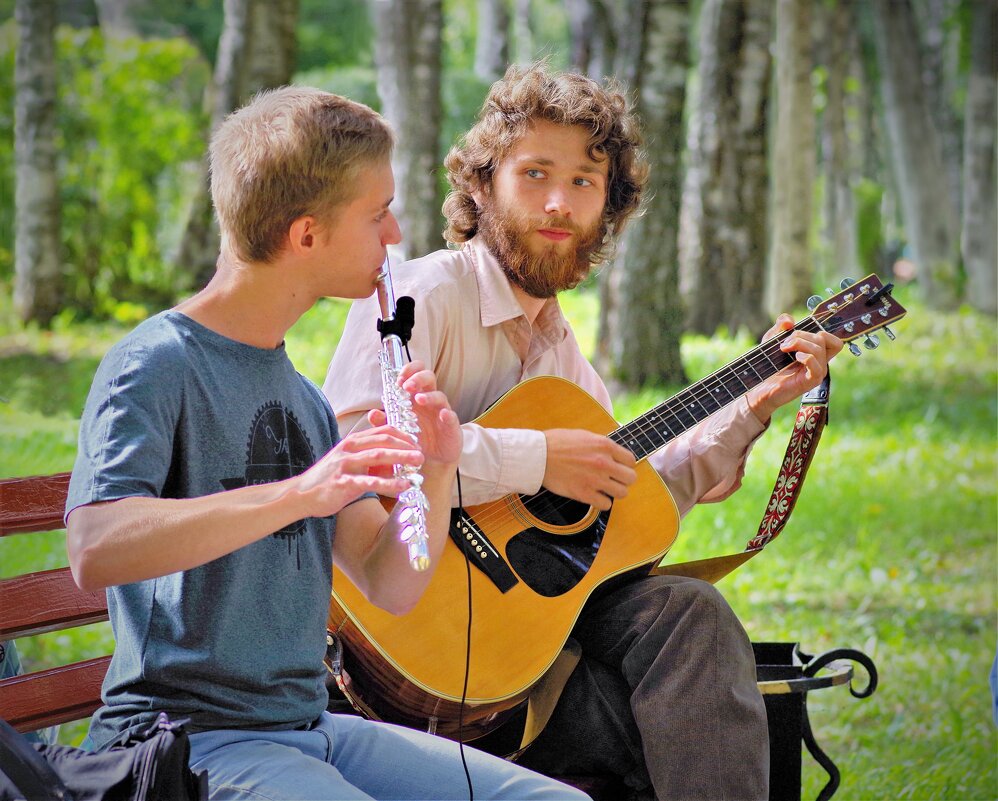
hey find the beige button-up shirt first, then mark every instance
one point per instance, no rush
(471, 331)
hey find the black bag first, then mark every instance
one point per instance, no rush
(145, 767)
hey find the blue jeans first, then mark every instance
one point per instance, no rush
(346, 757)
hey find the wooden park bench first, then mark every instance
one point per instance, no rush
(49, 600)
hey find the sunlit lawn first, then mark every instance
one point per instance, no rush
(891, 550)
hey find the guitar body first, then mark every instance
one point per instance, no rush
(543, 557)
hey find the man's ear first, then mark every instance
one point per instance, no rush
(480, 195)
(302, 235)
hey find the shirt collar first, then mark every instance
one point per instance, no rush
(499, 304)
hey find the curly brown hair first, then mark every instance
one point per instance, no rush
(564, 98)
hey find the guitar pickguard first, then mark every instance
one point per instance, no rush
(553, 564)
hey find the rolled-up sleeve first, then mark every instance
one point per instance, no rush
(707, 464)
(500, 461)
(449, 339)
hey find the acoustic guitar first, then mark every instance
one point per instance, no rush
(535, 560)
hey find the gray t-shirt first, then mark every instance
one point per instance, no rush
(179, 411)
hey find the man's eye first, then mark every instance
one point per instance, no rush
(535, 174)
(583, 182)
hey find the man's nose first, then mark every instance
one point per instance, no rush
(393, 233)
(557, 202)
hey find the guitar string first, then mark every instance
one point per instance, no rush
(694, 396)
(494, 511)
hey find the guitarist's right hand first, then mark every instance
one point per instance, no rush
(587, 467)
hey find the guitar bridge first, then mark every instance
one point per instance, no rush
(478, 550)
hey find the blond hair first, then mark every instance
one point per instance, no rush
(564, 98)
(290, 152)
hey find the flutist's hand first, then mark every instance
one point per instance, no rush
(439, 428)
(381, 566)
(362, 462)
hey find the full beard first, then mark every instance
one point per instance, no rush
(545, 274)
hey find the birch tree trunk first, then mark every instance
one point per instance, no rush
(605, 40)
(840, 209)
(117, 17)
(492, 42)
(646, 320)
(37, 259)
(627, 18)
(871, 149)
(256, 51)
(728, 272)
(940, 48)
(980, 154)
(581, 15)
(913, 142)
(791, 271)
(408, 63)
(523, 34)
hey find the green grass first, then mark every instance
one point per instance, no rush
(891, 549)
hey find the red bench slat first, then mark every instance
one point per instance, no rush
(34, 503)
(49, 697)
(47, 601)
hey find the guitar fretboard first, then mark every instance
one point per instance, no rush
(646, 434)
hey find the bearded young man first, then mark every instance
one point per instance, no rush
(665, 694)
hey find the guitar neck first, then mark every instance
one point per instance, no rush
(670, 419)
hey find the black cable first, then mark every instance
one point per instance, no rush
(467, 657)
(401, 326)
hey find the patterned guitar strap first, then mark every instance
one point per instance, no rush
(811, 420)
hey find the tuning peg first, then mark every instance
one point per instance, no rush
(813, 301)
(890, 334)
(846, 283)
(854, 349)
(872, 342)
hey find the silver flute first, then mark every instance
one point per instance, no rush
(398, 409)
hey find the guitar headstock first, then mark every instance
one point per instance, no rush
(861, 308)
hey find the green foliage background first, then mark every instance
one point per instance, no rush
(130, 135)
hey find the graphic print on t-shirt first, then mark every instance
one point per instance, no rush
(278, 448)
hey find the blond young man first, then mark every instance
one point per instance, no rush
(665, 695)
(212, 494)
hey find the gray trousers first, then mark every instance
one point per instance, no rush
(665, 696)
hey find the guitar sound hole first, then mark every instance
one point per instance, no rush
(553, 509)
